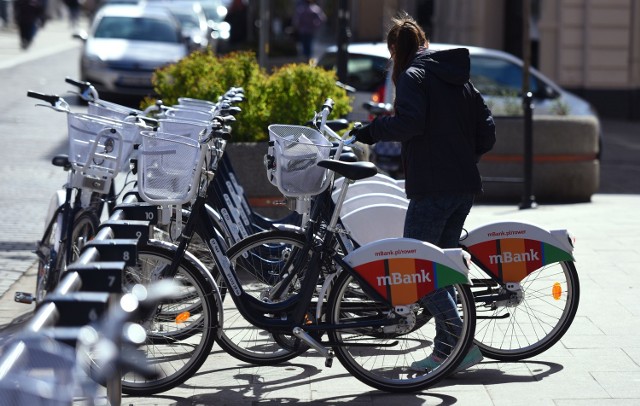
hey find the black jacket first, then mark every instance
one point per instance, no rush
(443, 124)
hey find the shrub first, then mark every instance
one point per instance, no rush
(289, 95)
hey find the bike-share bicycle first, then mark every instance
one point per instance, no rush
(99, 148)
(283, 244)
(525, 283)
(375, 324)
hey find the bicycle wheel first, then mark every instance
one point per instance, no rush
(47, 260)
(181, 332)
(85, 227)
(382, 358)
(260, 261)
(52, 261)
(532, 319)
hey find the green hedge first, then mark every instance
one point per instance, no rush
(288, 95)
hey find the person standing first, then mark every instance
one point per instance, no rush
(29, 15)
(307, 20)
(444, 126)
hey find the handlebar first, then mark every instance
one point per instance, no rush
(52, 99)
(55, 101)
(87, 91)
(378, 109)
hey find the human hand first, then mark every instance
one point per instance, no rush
(362, 134)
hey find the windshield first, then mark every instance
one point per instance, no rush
(364, 72)
(137, 28)
(497, 77)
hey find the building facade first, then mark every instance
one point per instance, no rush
(590, 47)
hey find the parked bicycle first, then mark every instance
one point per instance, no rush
(361, 322)
(99, 148)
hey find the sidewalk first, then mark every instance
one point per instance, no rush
(596, 363)
(54, 37)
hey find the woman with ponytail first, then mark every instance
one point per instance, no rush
(444, 126)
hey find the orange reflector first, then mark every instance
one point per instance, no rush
(556, 291)
(182, 317)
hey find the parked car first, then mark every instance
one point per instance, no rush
(193, 21)
(496, 74)
(125, 44)
(216, 12)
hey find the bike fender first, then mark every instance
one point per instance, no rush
(203, 270)
(403, 270)
(288, 227)
(57, 200)
(513, 250)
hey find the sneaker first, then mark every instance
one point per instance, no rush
(427, 364)
(473, 357)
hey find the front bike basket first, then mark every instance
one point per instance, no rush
(110, 110)
(296, 151)
(169, 168)
(83, 131)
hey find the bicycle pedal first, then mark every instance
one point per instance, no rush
(24, 297)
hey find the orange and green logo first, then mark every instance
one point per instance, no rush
(403, 281)
(512, 259)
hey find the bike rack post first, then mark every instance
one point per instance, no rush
(91, 285)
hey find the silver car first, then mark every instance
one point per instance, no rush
(496, 74)
(126, 43)
(192, 19)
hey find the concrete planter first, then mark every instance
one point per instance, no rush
(565, 164)
(565, 169)
(247, 159)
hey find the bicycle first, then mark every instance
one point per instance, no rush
(525, 283)
(526, 299)
(98, 148)
(181, 332)
(383, 323)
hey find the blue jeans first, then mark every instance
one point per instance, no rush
(439, 220)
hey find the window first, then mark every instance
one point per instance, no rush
(364, 72)
(498, 77)
(142, 29)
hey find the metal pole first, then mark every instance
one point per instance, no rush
(528, 199)
(263, 49)
(343, 40)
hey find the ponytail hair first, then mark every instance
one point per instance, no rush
(405, 38)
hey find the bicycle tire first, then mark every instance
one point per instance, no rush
(533, 324)
(176, 349)
(383, 360)
(52, 263)
(238, 337)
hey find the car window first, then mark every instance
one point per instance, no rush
(364, 72)
(498, 77)
(134, 28)
(188, 21)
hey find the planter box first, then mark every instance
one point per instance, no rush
(247, 159)
(565, 164)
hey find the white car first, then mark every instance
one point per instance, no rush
(193, 21)
(496, 74)
(126, 43)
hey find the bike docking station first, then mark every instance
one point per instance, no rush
(89, 289)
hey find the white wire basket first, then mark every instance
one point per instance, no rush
(98, 149)
(169, 168)
(297, 149)
(198, 104)
(180, 112)
(110, 110)
(193, 129)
